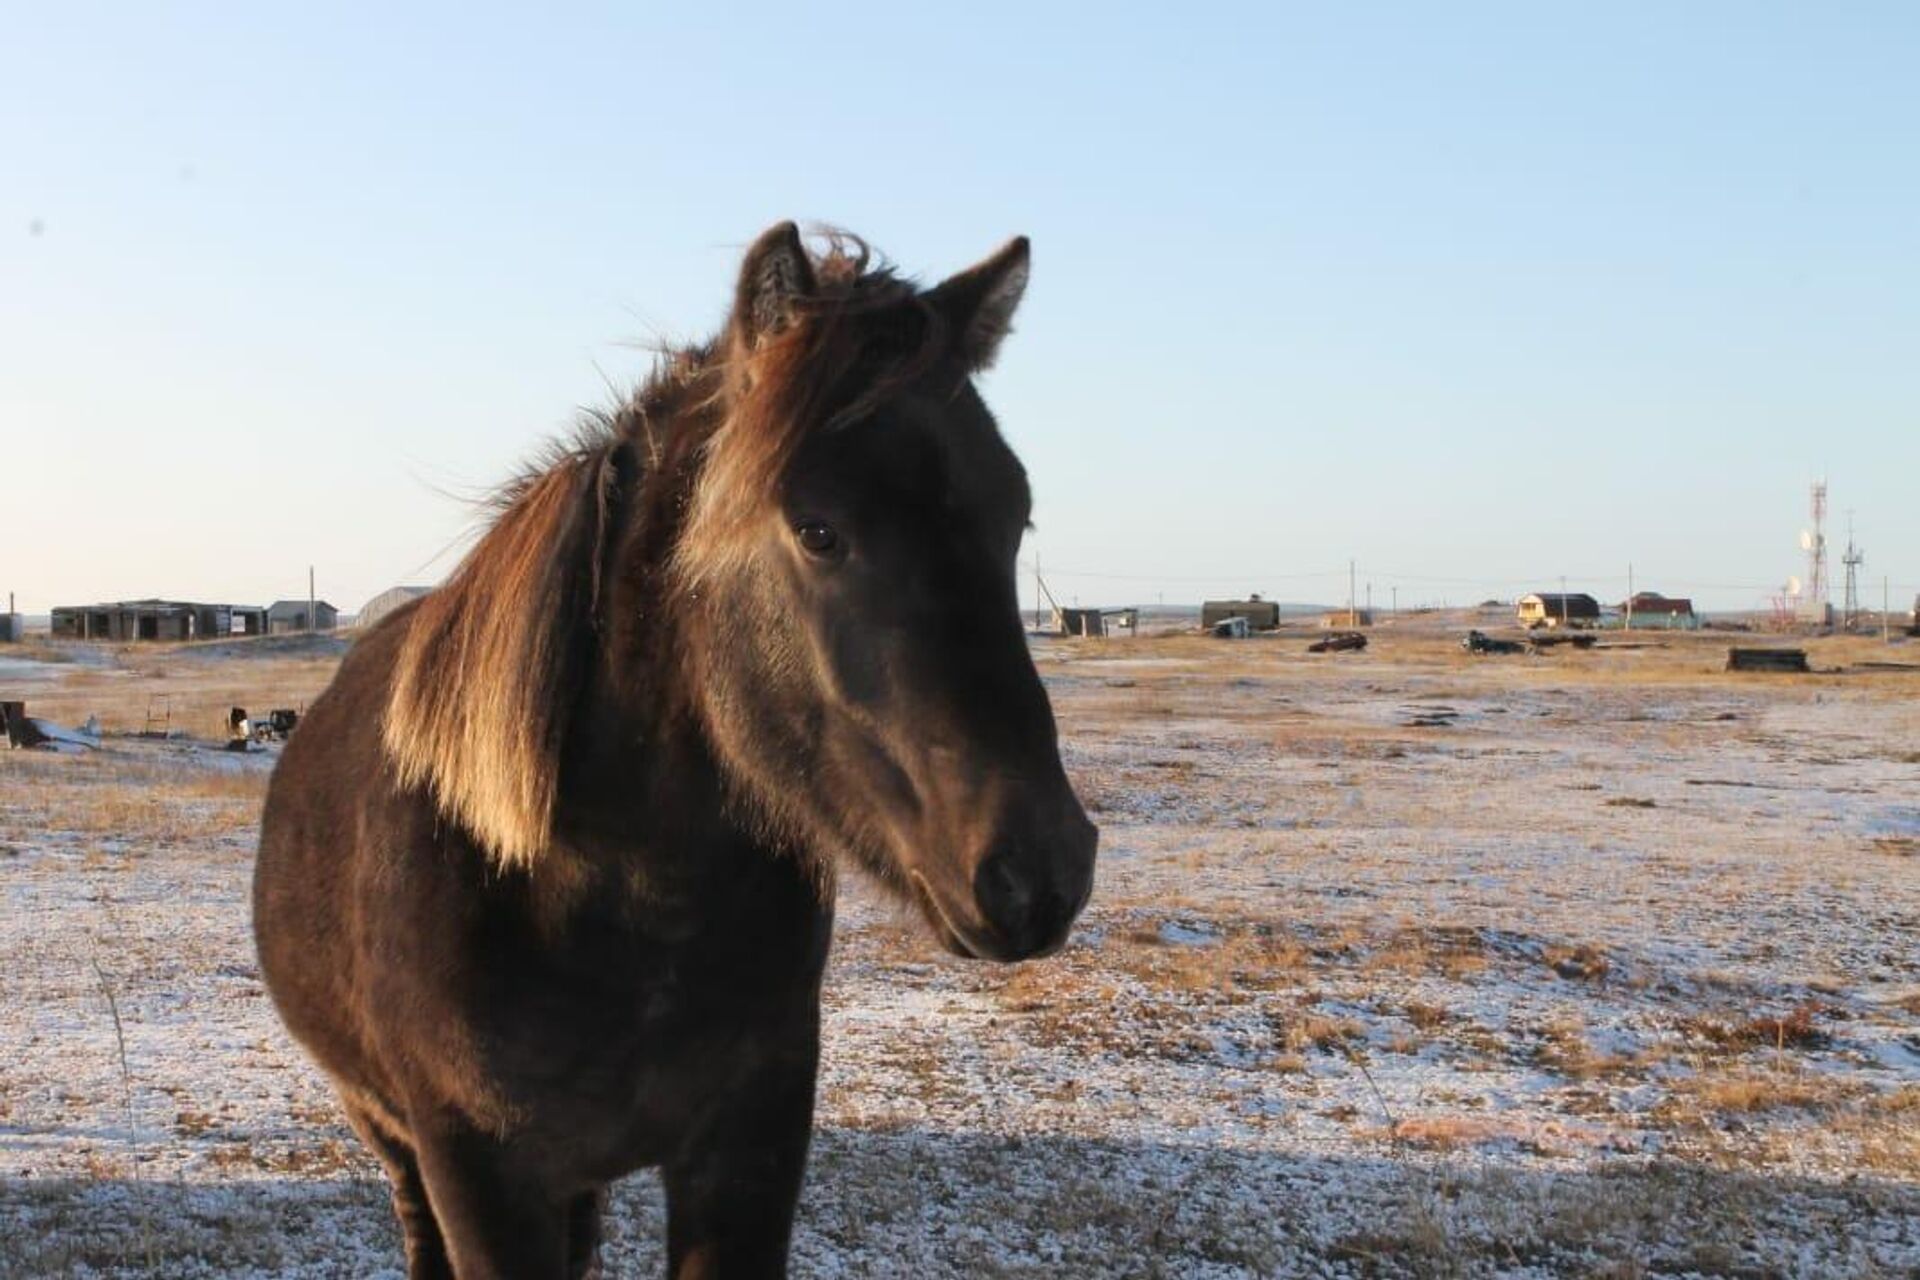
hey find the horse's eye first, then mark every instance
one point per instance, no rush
(818, 538)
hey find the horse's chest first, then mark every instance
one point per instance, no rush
(626, 1065)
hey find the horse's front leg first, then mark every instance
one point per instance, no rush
(499, 1221)
(730, 1199)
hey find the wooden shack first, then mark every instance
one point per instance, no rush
(151, 619)
(1096, 622)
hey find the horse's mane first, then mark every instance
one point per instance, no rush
(486, 671)
(495, 659)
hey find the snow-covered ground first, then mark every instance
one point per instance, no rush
(1401, 963)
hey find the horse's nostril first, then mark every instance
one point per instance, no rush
(1002, 893)
(1024, 904)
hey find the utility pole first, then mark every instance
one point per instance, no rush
(1629, 595)
(1886, 612)
(1036, 588)
(1350, 618)
(311, 620)
(1040, 585)
(1369, 602)
(1563, 600)
(1396, 602)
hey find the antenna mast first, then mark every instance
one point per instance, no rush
(1816, 604)
(1854, 557)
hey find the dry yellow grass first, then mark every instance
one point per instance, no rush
(1795, 1028)
(1763, 1091)
(1431, 646)
(1457, 954)
(1302, 1030)
(127, 802)
(189, 687)
(1566, 1050)
(1243, 959)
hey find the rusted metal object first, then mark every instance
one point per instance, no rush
(1234, 628)
(1339, 642)
(21, 732)
(1261, 615)
(1767, 660)
(1481, 642)
(1551, 639)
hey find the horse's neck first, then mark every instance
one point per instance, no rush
(639, 783)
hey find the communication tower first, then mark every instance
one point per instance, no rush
(1816, 601)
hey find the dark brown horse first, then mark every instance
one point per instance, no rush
(546, 877)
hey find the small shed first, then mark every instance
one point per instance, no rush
(291, 615)
(1261, 615)
(1651, 610)
(1096, 622)
(1559, 609)
(13, 628)
(1346, 618)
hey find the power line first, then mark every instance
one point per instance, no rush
(1168, 577)
(1673, 581)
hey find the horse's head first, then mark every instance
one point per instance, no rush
(848, 566)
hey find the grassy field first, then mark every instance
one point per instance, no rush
(1401, 963)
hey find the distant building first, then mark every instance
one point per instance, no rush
(1651, 610)
(1557, 609)
(1817, 613)
(1097, 622)
(1261, 615)
(386, 602)
(127, 620)
(1347, 618)
(291, 615)
(13, 628)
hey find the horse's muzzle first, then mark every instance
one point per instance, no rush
(1028, 893)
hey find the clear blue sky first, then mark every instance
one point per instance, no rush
(1478, 295)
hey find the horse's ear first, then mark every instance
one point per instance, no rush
(776, 275)
(979, 302)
